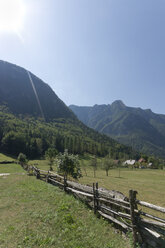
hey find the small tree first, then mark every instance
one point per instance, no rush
(107, 164)
(50, 154)
(84, 167)
(94, 165)
(119, 167)
(68, 164)
(22, 159)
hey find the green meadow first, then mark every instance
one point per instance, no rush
(36, 214)
(150, 184)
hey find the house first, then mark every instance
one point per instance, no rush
(149, 165)
(141, 160)
(129, 162)
(116, 162)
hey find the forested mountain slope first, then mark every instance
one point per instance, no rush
(33, 118)
(24, 93)
(142, 129)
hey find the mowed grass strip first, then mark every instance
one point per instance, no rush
(36, 214)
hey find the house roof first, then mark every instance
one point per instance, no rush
(130, 162)
(141, 160)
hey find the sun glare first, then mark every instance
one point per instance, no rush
(12, 14)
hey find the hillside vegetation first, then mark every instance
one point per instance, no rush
(33, 118)
(141, 129)
(33, 137)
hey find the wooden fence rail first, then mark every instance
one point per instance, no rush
(148, 230)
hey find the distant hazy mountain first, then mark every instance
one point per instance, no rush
(142, 129)
(24, 93)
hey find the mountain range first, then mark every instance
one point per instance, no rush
(33, 118)
(139, 128)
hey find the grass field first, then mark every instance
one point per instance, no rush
(36, 214)
(5, 158)
(150, 184)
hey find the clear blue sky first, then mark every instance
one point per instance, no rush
(94, 51)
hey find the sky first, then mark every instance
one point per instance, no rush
(93, 51)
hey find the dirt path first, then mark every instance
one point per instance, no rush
(8, 174)
(4, 174)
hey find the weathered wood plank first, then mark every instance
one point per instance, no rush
(149, 205)
(151, 222)
(112, 195)
(152, 238)
(157, 229)
(43, 171)
(155, 234)
(124, 226)
(152, 217)
(127, 216)
(80, 187)
(120, 214)
(80, 192)
(113, 203)
(54, 181)
(55, 175)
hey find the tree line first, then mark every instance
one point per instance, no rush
(34, 136)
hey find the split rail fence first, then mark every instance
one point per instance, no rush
(148, 229)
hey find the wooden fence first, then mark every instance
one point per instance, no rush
(148, 229)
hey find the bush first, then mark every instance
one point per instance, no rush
(22, 159)
(68, 164)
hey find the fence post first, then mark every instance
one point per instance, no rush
(65, 183)
(94, 198)
(133, 206)
(47, 177)
(28, 169)
(33, 170)
(97, 197)
(38, 174)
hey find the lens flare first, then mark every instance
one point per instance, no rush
(12, 13)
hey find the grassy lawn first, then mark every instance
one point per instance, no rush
(5, 158)
(36, 214)
(150, 184)
(11, 168)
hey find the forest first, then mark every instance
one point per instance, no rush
(33, 136)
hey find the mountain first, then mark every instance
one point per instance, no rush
(141, 129)
(25, 94)
(33, 118)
